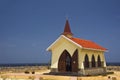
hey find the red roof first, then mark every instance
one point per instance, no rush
(87, 44)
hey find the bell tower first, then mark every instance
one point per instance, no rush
(67, 31)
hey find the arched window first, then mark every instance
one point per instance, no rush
(93, 61)
(86, 61)
(99, 61)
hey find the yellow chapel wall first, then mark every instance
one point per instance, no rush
(83, 52)
(64, 44)
(58, 48)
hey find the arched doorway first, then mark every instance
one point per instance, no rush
(68, 63)
(75, 61)
(86, 61)
(65, 62)
(99, 61)
(93, 61)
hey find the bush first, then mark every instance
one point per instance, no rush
(27, 72)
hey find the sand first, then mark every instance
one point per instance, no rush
(39, 75)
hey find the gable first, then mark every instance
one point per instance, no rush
(61, 40)
(86, 44)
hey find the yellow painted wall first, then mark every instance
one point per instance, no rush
(83, 52)
(64, 44)
(58, 48)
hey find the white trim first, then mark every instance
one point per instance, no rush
(53, 44)
(65, 38)
(81, 46)
(72, 41)
(95, 49)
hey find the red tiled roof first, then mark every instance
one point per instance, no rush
(87, 44)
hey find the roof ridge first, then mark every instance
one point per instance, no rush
(83, 39)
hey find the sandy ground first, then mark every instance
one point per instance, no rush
(40, 76)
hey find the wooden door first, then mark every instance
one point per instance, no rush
(75, 61)
(62, 63)
(68, 63)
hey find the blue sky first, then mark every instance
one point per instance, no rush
(28, 27)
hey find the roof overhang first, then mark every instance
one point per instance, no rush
(62, 36)
(96, 49)
(48, 49)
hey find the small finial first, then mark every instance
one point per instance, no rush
(66, 17)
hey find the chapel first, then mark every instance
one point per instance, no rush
(75, 55)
